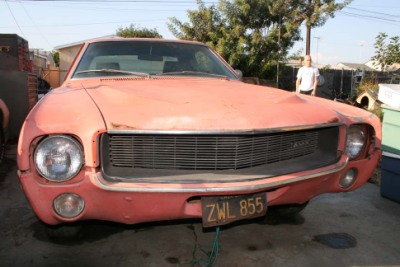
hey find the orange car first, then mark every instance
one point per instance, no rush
(149, 130)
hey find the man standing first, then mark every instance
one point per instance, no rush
(307, 78)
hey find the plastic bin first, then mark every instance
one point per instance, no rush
(390, 176)
(391, 130)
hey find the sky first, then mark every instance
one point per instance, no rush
(348, 37)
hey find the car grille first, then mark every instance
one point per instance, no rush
(215, 152)
(208, 152)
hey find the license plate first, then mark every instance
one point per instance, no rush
(226, 209)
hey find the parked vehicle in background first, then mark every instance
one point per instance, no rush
(43, 87)
(150, 130)
(4, 118)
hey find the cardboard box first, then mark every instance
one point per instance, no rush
(389, 94)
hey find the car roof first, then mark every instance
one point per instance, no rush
(122, 39)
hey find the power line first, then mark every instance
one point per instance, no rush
(114, 1)
(380, 7)
(88, 24)
(369, 14)
(381, 19)
(15, 20)
(33, 22)
(110, 6)
(372, 12)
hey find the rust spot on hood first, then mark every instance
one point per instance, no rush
(333, 120)
(122, 126)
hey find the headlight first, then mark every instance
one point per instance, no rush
(58, 158)
(355, 141)
(348, 178)
(68, 205)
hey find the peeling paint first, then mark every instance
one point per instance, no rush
(122, 126)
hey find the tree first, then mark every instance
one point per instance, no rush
(386, 54)
(136, 31)
(56, 57)
(297, 54)
(316, 12)
(252, 35)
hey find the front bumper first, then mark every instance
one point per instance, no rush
(131, 203)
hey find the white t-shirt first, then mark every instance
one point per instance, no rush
(307, 76)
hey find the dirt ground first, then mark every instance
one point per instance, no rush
(358, 228)
(376, 177)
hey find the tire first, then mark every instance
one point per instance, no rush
(290, 209)
(284, 214)
(2, 143)
(63, 232)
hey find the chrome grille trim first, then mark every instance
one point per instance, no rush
(127, 187)
(209, 152)
(294, 152)
(226, 132)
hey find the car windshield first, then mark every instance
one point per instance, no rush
(144, 58)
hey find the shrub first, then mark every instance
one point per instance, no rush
(371, 84)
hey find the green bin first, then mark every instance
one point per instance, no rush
(391, 129)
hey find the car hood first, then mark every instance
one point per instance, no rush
(201, 104)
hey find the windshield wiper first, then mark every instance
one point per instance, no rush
(142, 74)
(187, 72)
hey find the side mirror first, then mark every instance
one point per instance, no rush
(239, 73)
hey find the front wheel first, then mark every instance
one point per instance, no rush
(2, 144)
(63, 232)
(284, 214)
(289, 209)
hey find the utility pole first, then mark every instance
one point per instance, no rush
(317, 37)
(308, 40)
(308, 36)
(279, 54)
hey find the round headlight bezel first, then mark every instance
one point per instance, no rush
(68, 205)
(356, 140)
(348, 178)
(45, 147)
